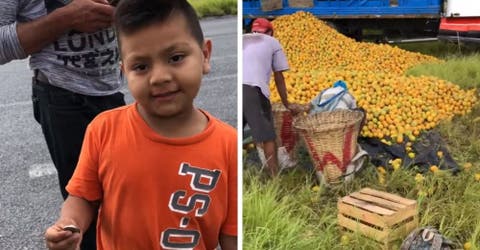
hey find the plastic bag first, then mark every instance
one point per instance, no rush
(336, 97)
(284, 159)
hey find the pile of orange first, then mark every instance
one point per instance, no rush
(397, 106)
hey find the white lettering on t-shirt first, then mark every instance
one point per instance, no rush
(203, 181)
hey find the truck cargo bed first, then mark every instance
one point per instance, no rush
(330, 9)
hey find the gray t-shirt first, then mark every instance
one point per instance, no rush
(262, 54)
(80, 62)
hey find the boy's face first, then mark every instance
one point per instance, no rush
(164, 65)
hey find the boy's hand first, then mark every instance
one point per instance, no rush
(57, 238)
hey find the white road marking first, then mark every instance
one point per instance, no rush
(12, 104)
(223, 57)
(123, 90)
(220, 77)
(39, 170)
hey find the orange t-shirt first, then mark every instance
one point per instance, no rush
(158, 192)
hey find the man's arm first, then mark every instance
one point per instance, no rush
(77, 212)
(228, 242)
(81, 15)
(20, 39)
(282, 91)
(281, 87)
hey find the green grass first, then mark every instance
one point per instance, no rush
(441, 49)
(285, 213)
(464, 71)
(207, 8)
(283, 221)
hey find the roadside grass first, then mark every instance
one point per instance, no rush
(207, 8)
(287, 213)
(441, 49)
(462, 70)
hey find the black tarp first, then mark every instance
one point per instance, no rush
(425, 148)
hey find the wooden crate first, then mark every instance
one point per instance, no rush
(378, 215)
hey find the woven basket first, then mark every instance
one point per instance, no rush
(287, 136)
(300, 3)
(268, 5)
(331, 141)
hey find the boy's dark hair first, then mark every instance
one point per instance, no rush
(132, 15)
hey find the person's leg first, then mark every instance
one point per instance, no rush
(270, 150)
(257, 112)
(64, 117)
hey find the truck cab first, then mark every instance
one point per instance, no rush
(461, 22)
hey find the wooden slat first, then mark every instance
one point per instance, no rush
(352, 211)
(402, 231)
(368, 231)
(367, 206)
(391, 221)
(388, 196)
(379, 201)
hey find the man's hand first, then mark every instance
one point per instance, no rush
(296, 108)
(90, 15)
(81, 15)
(57, 238)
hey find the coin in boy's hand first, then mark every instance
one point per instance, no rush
(71, 228)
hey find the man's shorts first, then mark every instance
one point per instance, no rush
(257, 113)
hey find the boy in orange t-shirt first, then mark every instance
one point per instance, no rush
(162, 173)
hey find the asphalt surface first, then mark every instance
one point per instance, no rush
(30, 199)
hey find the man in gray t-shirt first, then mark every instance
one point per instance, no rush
(74, 57)
(262, 55)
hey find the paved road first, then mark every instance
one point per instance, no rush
(29, 196)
